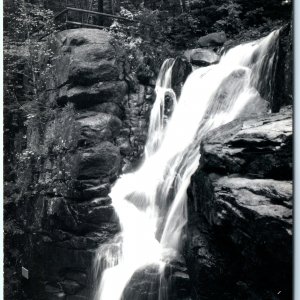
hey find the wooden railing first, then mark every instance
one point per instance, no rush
(68, 17)
(82, 23)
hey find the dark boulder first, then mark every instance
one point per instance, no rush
(54, 292)
(202, 57)
(79, 277)
(59, 286)
(97, 127)
(110, 108)
(180, 71)
(86, 73)
(240, 210)
(87, 96)
(212, 39)
(97, 191)
(70, 287)
(283, 86)
(145, 74)
(100, 161)
(84, 56)
(152, 281)
(260, 147)
(59, 214)
(250, 209)
(98, 214)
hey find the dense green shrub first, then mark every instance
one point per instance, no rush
(181, 28)
(230, 20)
(25, 24)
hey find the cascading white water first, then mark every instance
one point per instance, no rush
(151, 202)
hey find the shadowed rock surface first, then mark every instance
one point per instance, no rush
(151, 283)
(202, 57)
(240, 206)
(96, 124)
(212, 39)
(180, 72)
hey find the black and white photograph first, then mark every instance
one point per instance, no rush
(148, 150)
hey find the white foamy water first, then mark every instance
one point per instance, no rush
(151, 202)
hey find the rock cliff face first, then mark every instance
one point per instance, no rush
(95, 125)
(240, 211)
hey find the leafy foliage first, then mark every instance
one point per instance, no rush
(230, 21)
(23, 19)
(143, 40)
(25, 24)
(158, 28)
(26, 61)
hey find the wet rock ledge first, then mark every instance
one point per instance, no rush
(240, 211)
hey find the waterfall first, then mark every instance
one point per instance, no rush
(151, 202)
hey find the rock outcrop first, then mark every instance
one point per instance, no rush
(202, 57)
(240, 206)
(150, 282)
(180, 72)
(92, 124)
(283, 88)
(212, 39)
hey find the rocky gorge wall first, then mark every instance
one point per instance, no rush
(96, 127)
(95, 119)
(240, 211)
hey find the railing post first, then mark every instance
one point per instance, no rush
(100, 9)
(90, 7)
(66, 22)
(67, 13)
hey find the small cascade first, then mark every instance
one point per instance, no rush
(151, 202)
(163, 89)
